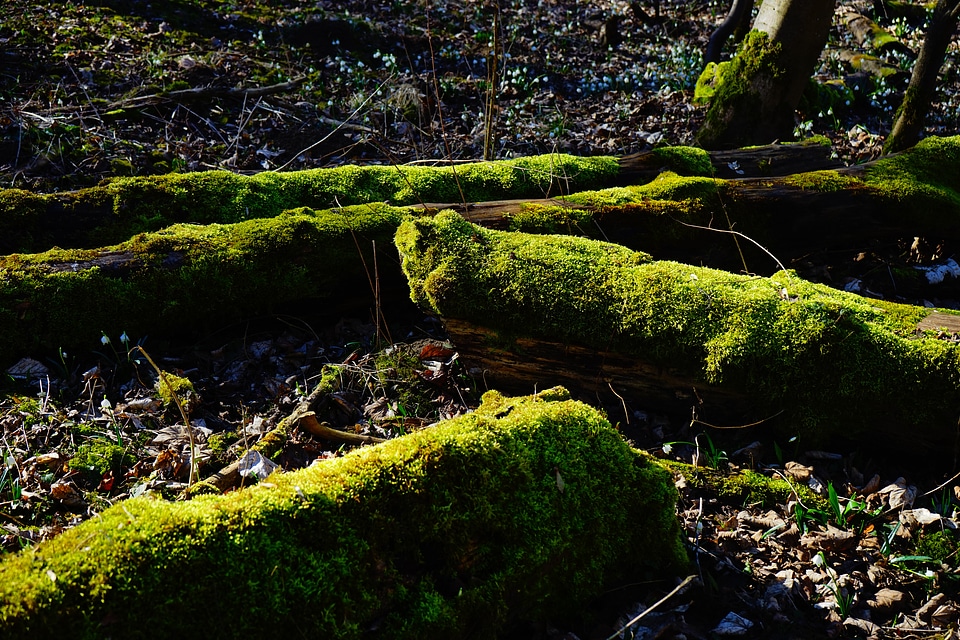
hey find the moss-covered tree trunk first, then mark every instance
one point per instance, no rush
(755, 94)
(923, 80)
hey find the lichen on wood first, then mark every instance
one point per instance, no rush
(520, 511)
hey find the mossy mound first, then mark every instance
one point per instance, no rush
(833, 363)
(522, 510)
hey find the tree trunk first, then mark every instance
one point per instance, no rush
(756, 93)
(923, 81)
(739, 15)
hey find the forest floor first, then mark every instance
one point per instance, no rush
(106, 88)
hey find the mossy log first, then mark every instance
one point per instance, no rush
(191, 277)
(188, 277)
(872, 36)
(521, 511)
(118, 209)
(897, 198)
(734, 349)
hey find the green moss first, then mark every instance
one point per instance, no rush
(536, 218)
(746, 486)
(707, 82)
(942, 546)
(122, 207)
(171, 388)
(688, 161)
(823, 181)
(923, 180)
(736, 91)
(219, 443)
(681, 192)
(824, 357)
(522, 510)
(98, 457)
(184, 276)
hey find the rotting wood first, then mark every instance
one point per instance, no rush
(528, 361)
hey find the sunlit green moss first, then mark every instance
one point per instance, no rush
(923, 180)
(522, 510)
(734, 90)
(98, 457)
(119, 208)
(746, 486)
(828, 359)
(184, 276)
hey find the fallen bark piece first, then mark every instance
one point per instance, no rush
(732, 348)
(454, 531)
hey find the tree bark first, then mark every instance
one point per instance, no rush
(758, 91)
(923, 80)
(739, 14)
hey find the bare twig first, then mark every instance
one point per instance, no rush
(339, 126)
(680, 587)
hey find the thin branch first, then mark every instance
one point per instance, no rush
(677, 589)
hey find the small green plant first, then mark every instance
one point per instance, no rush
(10, 478)
(806, 516)
(842, 597)
(942, 503)
(712, 456)
(853, 514)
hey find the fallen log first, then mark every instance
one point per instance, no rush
(523, 510)
(188, 277)
(733, 349)
(895, 199)
(763, 161)
(118, 209)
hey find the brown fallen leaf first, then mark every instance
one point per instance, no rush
(925, 613)
(798, 472)
(899, 494)
(888, 600)
(833, 540)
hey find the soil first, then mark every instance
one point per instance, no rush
(103, 89)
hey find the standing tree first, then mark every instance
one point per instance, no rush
(923, 79)
(753, 97)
